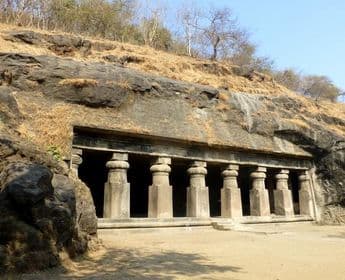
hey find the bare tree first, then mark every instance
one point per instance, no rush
(189, 18)
(220, 31)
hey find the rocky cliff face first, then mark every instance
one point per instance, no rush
(42, 97)
(44, 210)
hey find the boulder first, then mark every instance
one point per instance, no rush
(27, 184)
(38, 217)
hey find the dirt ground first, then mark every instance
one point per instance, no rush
(274, 251)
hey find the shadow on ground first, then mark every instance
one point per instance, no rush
(339, 235)
(131, 264)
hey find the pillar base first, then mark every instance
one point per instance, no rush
(160, 202)
(231, 204)
(116, 201)
(283, 202)
(305, 203)
(198, 202)
(259, 202)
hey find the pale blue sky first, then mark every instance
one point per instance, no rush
(308, 35)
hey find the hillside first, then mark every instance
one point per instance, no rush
(146, 59)
(221, 76)
(51, 82)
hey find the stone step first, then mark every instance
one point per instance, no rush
(248, 224)
(152, 223)
(218, 223)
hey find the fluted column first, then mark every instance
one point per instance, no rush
(305, 199)
(259, 202)
(76, 160)
(160, 192)
(117, 189)
(197, 193)
(282, 195)
(231, 204)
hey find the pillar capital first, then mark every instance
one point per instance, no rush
(161, 164)
(76, 159)
(118, 164)
(282, 175)
(197, 168)
(303, 176)
(162, 160)
(261, 169)
(198, 163)
(230, 170)
(76, 151)
(160, 168)
(197, 171)
(119, 156)
(259, 173)
(118, 161)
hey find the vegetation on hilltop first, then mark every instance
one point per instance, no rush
(213, 34)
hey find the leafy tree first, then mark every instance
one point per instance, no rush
(245, 57)
(290, 78)
(320, 87)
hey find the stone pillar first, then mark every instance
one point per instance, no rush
(259, 202)
(117, 189)
(282, 195)
(197, 193)
(231, 204)
(160, 192)
(76, 160)
(305, 199)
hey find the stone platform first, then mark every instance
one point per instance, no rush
(193, 222)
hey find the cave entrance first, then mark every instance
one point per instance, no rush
(94, 174)
(140, 178)
(244, 183)
(214, 182)
(179, 180)
(293, 186)
(270, 183)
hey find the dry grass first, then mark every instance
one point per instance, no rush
(298, 122)
(50, 125)
(79, 83)
(184, 68)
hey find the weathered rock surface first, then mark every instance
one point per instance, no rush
(38, 210)
(92, 84)
(161, 106)
(60, 44)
